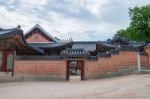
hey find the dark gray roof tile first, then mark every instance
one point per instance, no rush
(88, 46)
(112, 46)
(75, 53)
(51, 45)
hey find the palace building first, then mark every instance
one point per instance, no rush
(39, 54)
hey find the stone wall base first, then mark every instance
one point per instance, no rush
(119, 72)
(23, 77)
(43, 77)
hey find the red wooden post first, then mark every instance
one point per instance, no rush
(67, 71)
(13, 53)
(82, 70)
(4, 60)
(1, 65)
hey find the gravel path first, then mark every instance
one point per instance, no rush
(125, 87)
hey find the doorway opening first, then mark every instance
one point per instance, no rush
(75, 69)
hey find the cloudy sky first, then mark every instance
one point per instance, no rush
(78, 19)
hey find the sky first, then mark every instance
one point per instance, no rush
(88, 20)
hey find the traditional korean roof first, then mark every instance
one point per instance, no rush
(107, 45)
(16, 37)
(148, 45)
(45, 33)
(126, 44)
(37, 57)
(87, 46)
(68, 48)
(122, 40)
(128, 47)
(138, 44)
(51, 45)
(75, 53)
(5, 33)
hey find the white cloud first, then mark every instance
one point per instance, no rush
(79, 19)
(95, 5)
(34, 2)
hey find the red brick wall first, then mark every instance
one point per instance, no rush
(147, 51)
(145, 61)
(40, 67)
(92, 68)
(40, 38)
(110, 64)
(125, 59)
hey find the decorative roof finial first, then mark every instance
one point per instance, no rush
(19, 26)
(37, 25)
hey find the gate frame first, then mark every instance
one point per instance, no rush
(82, 68)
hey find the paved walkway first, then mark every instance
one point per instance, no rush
(125, 87)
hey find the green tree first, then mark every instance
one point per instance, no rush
(122, 33)
(139, 28)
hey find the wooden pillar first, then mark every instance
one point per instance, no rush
(14, 54)
(4, 60)
(138, 61)
(82, 70)
(67, 70)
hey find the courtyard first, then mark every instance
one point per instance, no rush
(124, 87)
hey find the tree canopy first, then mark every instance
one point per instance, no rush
(139, 27)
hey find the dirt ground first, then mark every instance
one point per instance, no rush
(125, 87)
